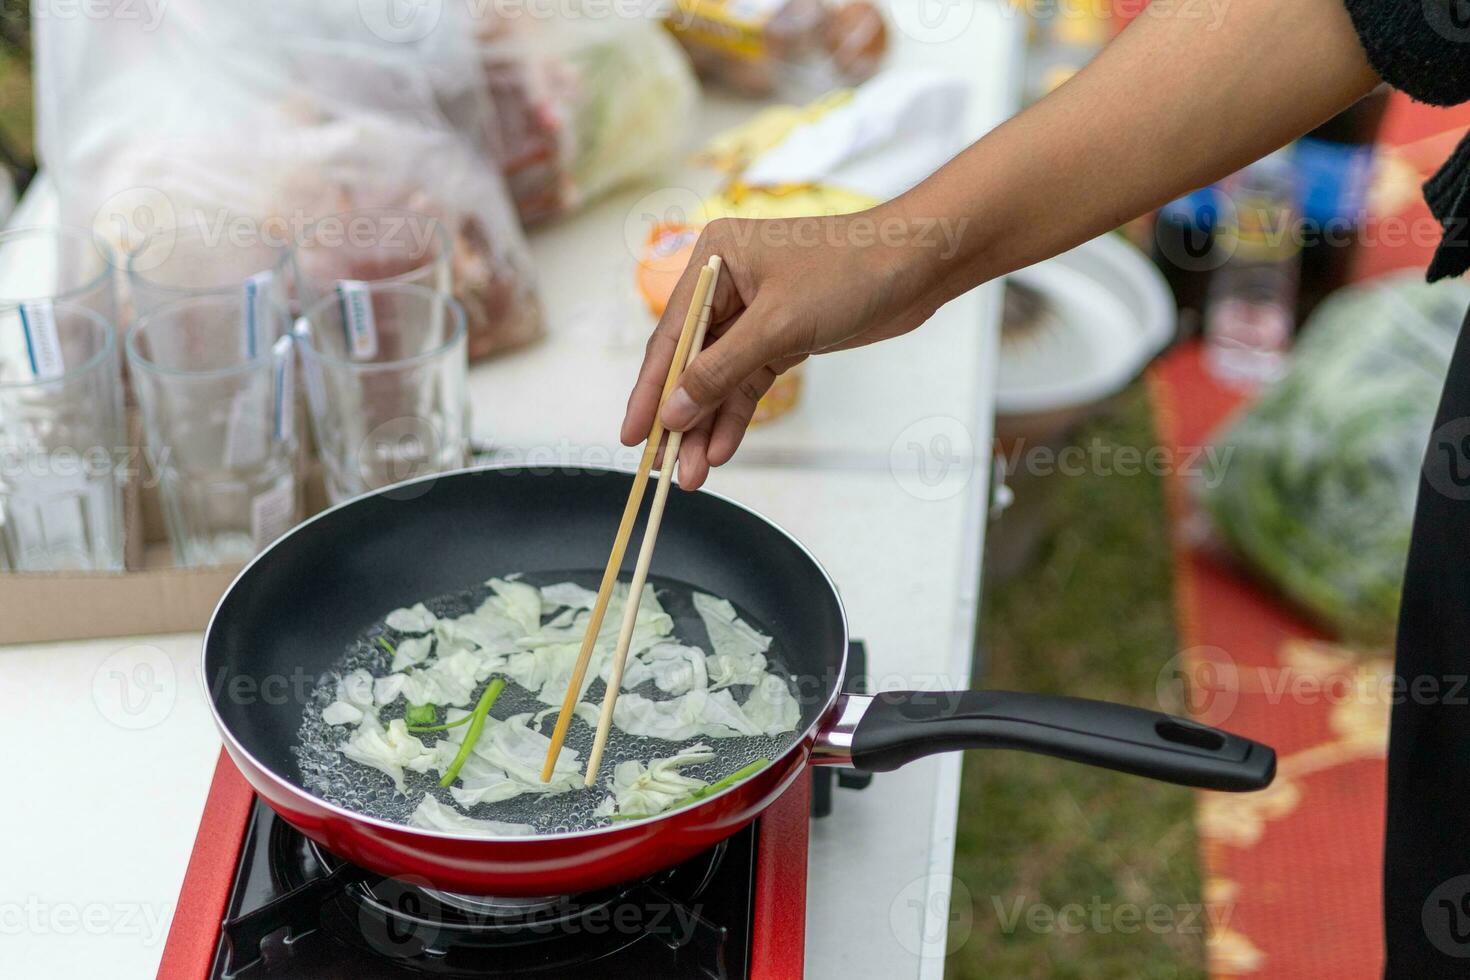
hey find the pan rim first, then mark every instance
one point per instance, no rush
(234, 745)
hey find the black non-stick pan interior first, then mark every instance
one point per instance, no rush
(291, 615)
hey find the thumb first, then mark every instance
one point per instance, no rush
(748, 344)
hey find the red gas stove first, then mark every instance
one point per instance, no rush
(259, 900)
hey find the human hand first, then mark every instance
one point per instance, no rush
(791, 287)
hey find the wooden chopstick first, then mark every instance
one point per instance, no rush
(645, 552)
(703, 292)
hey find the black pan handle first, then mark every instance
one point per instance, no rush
(896, 727)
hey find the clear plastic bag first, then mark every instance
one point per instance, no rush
(257, 119)
(795, 49)
(1315, 484)
(582, 105)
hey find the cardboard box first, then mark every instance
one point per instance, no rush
(152, 596)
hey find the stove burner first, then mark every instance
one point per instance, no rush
(325, 918)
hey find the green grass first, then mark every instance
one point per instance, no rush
(15, 102)
(1090, 615)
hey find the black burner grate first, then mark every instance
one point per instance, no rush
(297, 911)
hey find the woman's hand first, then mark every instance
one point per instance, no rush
(1101, 149)
(790, 288)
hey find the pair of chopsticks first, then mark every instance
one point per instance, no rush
(691, 341)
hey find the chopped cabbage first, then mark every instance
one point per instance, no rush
(389, 750)
(642, 791)
(430, 814)
(414, 619)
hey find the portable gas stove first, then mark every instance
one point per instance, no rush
(260, 900)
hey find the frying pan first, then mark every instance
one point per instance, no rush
(289, 616)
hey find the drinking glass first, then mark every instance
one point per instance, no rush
(215, 378)
(373, 245)
(384, 365)
(198, 260)
(61, 438)
(57, 264)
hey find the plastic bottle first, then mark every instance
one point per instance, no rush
(1252, 300)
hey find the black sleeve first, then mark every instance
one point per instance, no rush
(1421, 47)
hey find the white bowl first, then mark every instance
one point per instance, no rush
(1113, 314)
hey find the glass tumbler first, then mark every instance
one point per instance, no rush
(373, 245)
(61, 438)
(57, 264)
(196, 260)
(215, 379)
(384, 365)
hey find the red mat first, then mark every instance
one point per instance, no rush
(1292, 873)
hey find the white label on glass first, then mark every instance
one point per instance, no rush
(257, 295)
(271, 512)
(246, 434)
(43, 344)
(284, 407)
(357, 319)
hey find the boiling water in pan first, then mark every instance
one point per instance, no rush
(332, 776)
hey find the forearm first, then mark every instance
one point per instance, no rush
(1172, 104)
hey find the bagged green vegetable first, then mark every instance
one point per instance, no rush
(1315, 483)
